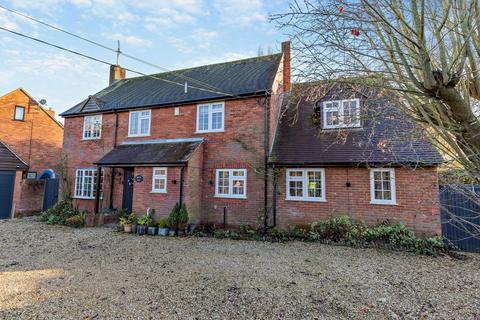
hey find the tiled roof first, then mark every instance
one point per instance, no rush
(151, 153)
(386, 137)
(9, 160)
(239, 78)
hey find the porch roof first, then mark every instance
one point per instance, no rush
(150, 153)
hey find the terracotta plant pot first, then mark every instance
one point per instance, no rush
(127, 228)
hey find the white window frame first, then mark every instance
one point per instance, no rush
(393, 201)
(85, 120)
(140, 117)
(15, 113)
(210, 117)
(83, 190)
(159, 177)
(341, 111)
(231, 178)
(304, 179)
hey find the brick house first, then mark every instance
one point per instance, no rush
(31, 131)
(32, 134)
(214, 137)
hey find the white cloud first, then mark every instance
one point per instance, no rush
(244, 13)
(6, 21)
(129, 39)
(82, 3)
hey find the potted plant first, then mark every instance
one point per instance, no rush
(173, 219)
(152, 228)
(126, 222)
(143, 223)
(134, 222)
(182, 220)
(163, 227)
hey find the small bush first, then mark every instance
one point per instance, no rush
(75, 221)
(54, 219)
(163, 223)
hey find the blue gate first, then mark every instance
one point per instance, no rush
(460, 213)
(50, 197)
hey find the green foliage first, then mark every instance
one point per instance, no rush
(145, 220)
(63, 213)
(127, 219)
(54, 219)
(229, 234)
(163, 223)
(76, 221)
(394, 236)
(178, 217)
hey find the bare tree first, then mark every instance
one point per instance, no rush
(425, 52)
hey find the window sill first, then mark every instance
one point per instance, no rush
(90, 139)
(209, 131)
(159, 192)
(305, 199)
(138, 135)
(229, 197)
(384, 203)
(84, 198)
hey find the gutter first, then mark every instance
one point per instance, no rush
(112, 176)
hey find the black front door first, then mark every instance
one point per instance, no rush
(7, 184)
(128, 189)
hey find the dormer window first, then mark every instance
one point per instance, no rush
(341, 114)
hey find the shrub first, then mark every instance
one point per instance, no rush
(76, 221)
(396, 236)
(163, 223)
(127, 219)
(145, 220)
(173, 218)
(54, 219)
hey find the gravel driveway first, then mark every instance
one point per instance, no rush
(53, 272)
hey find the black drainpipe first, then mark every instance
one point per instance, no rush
(274, 197)
(182, 170)
(265, 169)
(112, 176)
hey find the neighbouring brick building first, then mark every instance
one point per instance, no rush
(35, 137)
(219, 139)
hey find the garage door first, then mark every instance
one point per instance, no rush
(7, 183)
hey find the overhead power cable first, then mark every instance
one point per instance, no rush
(199, 82)
(108, 63)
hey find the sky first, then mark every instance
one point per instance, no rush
(173, 34)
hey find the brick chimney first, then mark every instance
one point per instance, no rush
(116, 73)
(286, 66)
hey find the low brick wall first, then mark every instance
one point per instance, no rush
(31, 197)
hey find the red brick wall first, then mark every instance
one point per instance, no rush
(416, 193)
(37, 139)
(194, 185)
(240, 146)
(31, 198)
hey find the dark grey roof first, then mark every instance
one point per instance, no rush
(239, 78)
(386, 136)
(9, 160)
(150, 153)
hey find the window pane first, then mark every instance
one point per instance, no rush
(217, 121)
(134, 123)
(387, 195)
(19, 113)
(144, 126)
(203, 118)
(296, 173)
(296, 188)
(314, 184)
(223, 181)
(238, 187)
(350, 113)
(332, 118)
